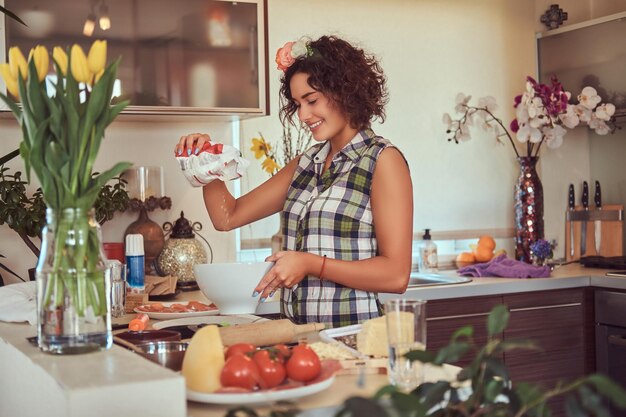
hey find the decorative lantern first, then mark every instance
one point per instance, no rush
(182, 251)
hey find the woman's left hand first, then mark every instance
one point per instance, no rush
(290, 267)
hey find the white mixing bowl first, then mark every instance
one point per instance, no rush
(230, 285)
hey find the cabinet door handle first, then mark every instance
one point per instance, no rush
(546, 307)
(617, 340)
(460, 316)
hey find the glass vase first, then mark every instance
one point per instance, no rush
(73, 285)
(528, 208)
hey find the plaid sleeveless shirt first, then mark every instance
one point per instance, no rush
(330, 214)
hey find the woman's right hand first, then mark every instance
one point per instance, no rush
(191, 144)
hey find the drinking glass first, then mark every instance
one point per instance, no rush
(118, 287)
(406, 331)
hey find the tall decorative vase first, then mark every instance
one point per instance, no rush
(73, 285)
(528, 208)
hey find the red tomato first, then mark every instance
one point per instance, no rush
(304, 364)
(239, 349)
(271, 369)
(240, 371)
(281, 351)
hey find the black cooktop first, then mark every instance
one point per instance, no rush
(607, 262)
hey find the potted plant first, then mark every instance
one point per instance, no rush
(26, 214)
(482, 388)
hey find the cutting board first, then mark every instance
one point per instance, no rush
(611, 243)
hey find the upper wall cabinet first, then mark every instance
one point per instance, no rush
(182, 57)
(591, 53)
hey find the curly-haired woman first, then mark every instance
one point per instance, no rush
(346, 203)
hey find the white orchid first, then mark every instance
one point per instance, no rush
(605, 111)
(489, 103)
(461, 102)
(542, 115)
(589, 98)
(554, 136)
(570, 118)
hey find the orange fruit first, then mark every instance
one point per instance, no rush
(487, 242)
(483, 253)
(465, 258)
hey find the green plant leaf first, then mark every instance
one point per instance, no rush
(424, 356)
(573, 408)
(384, 391)
(34, 91)
(15, 109)
(465, 331)
(497, 320)
(360, 406)
(433, 393)
(609, 388)
(451, 353)
(493, 388)
(405, 403)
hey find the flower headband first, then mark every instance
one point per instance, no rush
(287, 55)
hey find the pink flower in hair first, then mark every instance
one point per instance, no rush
(287, 55)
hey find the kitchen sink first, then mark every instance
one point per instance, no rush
(422, 279)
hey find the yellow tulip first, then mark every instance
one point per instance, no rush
(97, 56)
(80, 69)
(42, 61)
(17, 63)
(98, 76)
(60, 57)
(11, 83)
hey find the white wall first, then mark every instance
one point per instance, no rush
(430, 50)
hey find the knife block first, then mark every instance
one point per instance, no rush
(611, 226)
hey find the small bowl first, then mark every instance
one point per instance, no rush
(168, 354)
(149, 336)
(230, 285)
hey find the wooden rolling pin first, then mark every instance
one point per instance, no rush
(267, 333)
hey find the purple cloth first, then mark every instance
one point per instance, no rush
(501, 266)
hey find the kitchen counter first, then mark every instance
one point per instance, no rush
(117, 382)
(566, 276)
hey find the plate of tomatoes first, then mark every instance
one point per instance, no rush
(254, 375)
(173, 310)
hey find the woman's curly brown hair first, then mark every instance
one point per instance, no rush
(347, 75)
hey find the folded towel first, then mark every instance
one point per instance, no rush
(18, 302)
(214, 161)
(501, 266)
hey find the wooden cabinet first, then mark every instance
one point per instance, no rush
(560, 322)
(444, 317)
(184, 57)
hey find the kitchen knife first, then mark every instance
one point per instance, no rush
(583, 224)
(597, 226)
(570, 203)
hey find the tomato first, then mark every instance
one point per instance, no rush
(271, 369)
(304, 364)
(240, 371)
(239, 349)
(281, 351)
